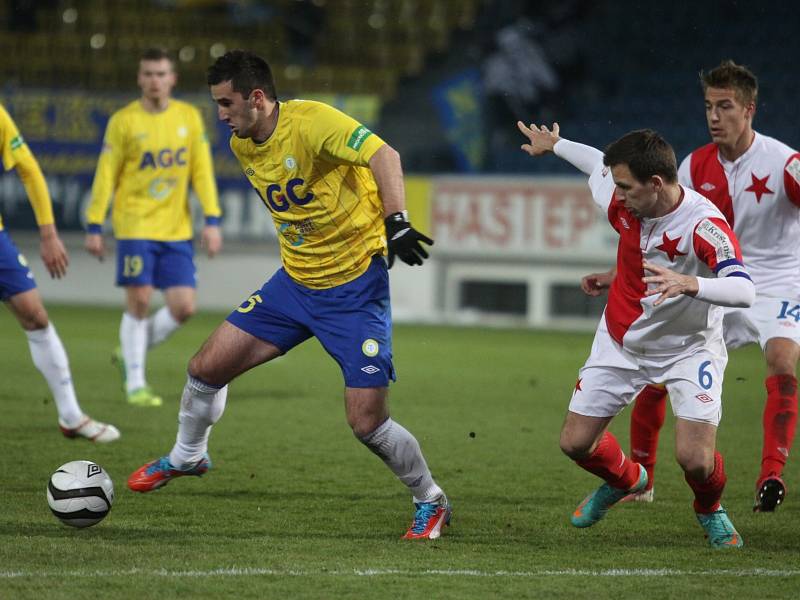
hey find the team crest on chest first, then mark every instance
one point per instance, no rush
(670, 247)
(289, 162)
(759, 187)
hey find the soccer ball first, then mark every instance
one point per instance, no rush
(80, 493)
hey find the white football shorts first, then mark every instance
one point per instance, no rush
(612, 377)
(767, 318)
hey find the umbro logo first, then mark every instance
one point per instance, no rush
(704, 398)
(370, 369)
(93, 469)
(707, 187)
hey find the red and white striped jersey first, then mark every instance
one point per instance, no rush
(759, 194)
(693, 239)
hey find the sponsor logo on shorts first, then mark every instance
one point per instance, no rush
(357, 138)
(370, 369)
(705, 398)
(370, 348)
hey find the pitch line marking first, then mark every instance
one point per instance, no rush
(259, 571)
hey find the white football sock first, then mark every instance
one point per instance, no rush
(201, 406)
(160, 326)
(133, 340)
(50, 358)
(400, 450)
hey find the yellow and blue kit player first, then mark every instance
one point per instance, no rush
(18, 289)
(335, 192)
(152, 149)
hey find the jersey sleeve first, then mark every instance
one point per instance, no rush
(685, 172)
(202, 170)
(340, 139)
(602, 186)
(106, 175)
(791, 178)
(16, 154)
(716, 245)
(12, 145)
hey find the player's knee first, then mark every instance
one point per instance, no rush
(362, 424)
(696, 464)
(34, 319)
(574, 447)
(183, 312)
(202, 368)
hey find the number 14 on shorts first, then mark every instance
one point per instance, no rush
(786, 311)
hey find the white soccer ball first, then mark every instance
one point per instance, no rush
(80, 493)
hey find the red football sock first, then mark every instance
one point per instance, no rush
(707, 493)
(609, 462)
(647, 418)
(780, 421)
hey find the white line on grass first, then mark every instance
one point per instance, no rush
(258, 571)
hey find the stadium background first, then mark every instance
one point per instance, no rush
(441, 80)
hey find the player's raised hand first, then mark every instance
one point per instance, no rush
(541, 138)
(211, 240)
(667, 283)
(54, 255)
(404, 241)
(595, 284)
(94, 244)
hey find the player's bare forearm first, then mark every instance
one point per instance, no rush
(54, 254)
(540, 137)
(388, 172)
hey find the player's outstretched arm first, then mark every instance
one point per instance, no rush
(402, 239)
(540, 137)
(543, 140)
(595, 284)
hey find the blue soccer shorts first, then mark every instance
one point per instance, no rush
(15, 276)
(160, 264)
(353, 321)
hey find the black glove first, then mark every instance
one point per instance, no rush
(404, 240)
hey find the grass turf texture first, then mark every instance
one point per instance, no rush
(296, 507)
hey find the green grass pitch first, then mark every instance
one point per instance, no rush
(295, 507)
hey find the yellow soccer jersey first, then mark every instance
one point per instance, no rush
(312, 174)
(147, 162)
(14, 152)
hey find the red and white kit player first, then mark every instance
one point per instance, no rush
(678, 263)
(755, 181)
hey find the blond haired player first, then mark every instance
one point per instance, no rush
(755, 181)
(153, 148)
(18, 289)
